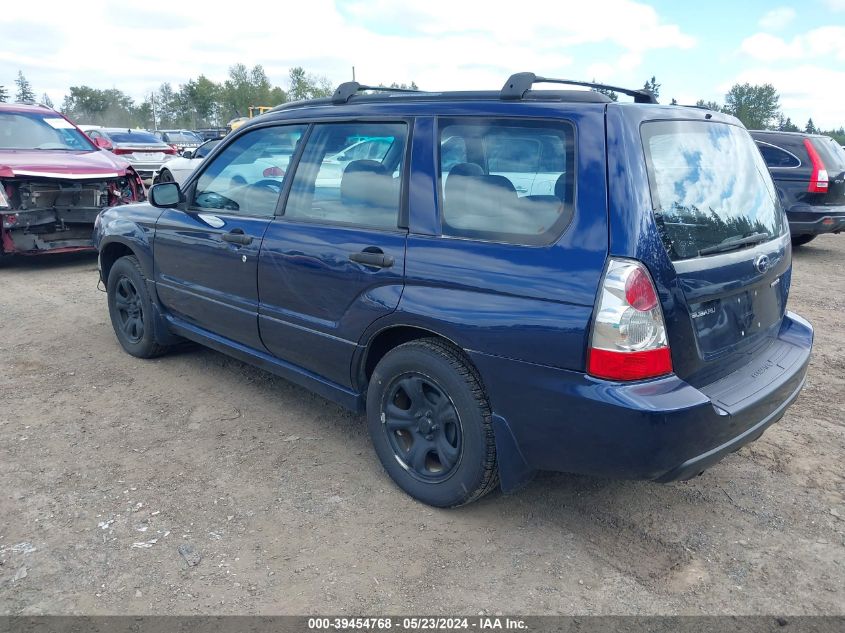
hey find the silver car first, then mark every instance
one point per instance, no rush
(140, 148)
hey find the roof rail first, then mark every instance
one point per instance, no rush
(518, 84)
(347, 89)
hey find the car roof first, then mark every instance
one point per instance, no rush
(124, 129)
(27, 107)
(784, 133)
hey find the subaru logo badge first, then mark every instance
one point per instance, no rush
(762, 263)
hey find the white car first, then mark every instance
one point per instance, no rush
(178, 169)
(271, 165)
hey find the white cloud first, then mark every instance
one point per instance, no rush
(835, 5)
(826, 42)
(777, 19)
(440, 44)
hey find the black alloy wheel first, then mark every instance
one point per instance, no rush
(130, 309)
(423, 427)
(431, 425)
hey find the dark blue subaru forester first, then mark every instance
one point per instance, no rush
(505, 281)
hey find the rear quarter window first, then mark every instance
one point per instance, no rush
(507, 180)
(709, 186)
(777, 157)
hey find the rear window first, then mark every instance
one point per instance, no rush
(134, 137)
(181, 137)
(507, 180)
(709, 186)
(776, 157)
(831, 153)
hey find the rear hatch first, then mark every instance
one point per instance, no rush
(833, 158)
(720, 221)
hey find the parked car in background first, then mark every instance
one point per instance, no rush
(809, 173)
(54, 181)
(211, 134)
(180, 139)
(631, 323)
(178, 169)
(140, 148)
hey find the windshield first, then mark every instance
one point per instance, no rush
(709, 187)
(130, 136)
(182, 137)
(36, 130)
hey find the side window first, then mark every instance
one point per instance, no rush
(358, 184)
(453, 151)
(248, 176)
(776, 157)
(514, 182)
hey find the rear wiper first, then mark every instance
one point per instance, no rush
(731, 244)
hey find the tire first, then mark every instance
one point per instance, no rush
(424, 394)
(165, 176)
(800, 240)
(130, 309)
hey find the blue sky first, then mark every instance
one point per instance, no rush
(695, 49)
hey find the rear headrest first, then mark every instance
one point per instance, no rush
(564, 188)
(367, 182)
(466, 169)
(499, 182)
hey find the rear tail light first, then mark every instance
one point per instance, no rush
(274, 172)
(10, 220)
(628, 341)
(819, 180)
(173, 150)
(118, 150)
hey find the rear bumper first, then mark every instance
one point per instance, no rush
(662, 430)
(816, 220)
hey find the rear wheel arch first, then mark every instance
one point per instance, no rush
(391, 337)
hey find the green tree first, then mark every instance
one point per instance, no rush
(25, 93)
(810, 128)
(789, 126)
(4, 94)
(201, 96)
(757, 106)
(99, 107)
(46, 100)
(710, 105)
(652, 86)
(307, 86)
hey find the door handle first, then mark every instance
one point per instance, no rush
(236, 236)
(375, 258)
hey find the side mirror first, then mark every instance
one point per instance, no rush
(187, 153)
(165, 195)
(103, 143)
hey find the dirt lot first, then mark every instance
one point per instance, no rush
(108, 464)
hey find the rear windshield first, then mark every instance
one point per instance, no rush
(831, 153)
(709, 187)
(181, 137)
(134, 137)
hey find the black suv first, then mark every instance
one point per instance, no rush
(809, 173)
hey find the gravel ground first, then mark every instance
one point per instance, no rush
(196, 484)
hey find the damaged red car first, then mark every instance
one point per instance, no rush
(54, 181)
